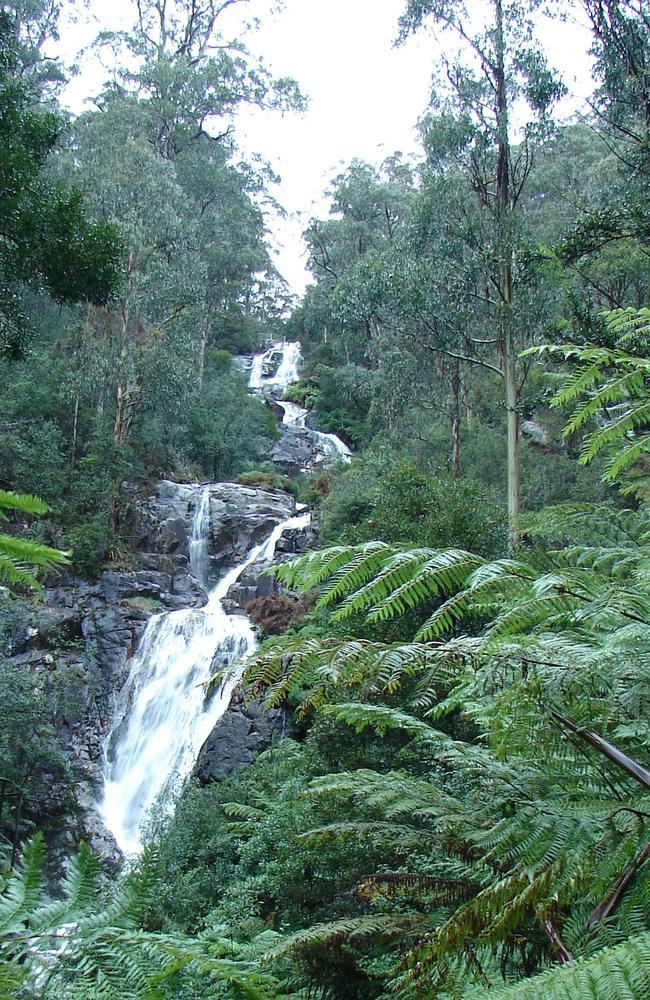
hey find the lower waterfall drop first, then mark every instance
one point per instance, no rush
(167, 714)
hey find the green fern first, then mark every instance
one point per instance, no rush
(83, 947)
(612, 387)
(19, 556)
(610, 974)
(529, 735)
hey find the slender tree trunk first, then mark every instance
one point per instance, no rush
(126, 396)
(205, 333)
(206, 328)
(455, 421)
(504, 224)
(75, 424)
(127, 389)
(464, 390)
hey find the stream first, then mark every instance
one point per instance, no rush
(167, 707)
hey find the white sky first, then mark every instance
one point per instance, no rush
(365, 96)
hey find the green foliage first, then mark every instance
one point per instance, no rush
(525, 797)
(86, 945)
(611, 390)
(19, 557)
(267, 480)
(601, 977)
(48, 240)
(400, 503)
(224, 426)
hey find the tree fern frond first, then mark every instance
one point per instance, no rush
(610, 974)
(26, 503)
(80, 887)
(379, 926)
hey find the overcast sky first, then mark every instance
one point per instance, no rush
(365, 95)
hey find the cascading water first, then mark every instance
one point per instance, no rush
(199, 556)
(328, 447)
(168, 715)
(292, 415)
(287, 370)
(168, 712)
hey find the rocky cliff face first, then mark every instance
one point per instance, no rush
(89, 632)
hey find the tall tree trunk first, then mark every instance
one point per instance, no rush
(126, 396)
(464, 390)
(505, 235)
(75, 425)
(126, 389)
(455, 421)
(206, 326)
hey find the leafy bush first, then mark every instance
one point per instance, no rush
(267, 481)
(89, 544)
(400, 503)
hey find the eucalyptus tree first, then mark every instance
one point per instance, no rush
(240, 287)
(615, 229)
(48, 241)
(621, 31)
(189, 66)
(36, 25)
(185, 67)
(127, 180)
(368, 207)
(424, 296)
(496, 69)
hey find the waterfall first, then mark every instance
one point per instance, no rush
(328, 447)
(331, 446)
(167, 709)
(167, 713)
(293, 415)
(199, 555)
(287, 372)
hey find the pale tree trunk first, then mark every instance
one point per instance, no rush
(126, 396)
(75, 425)
(126, 393)
(455, 421)
(506, 338)
(464, 390)
(206, 326)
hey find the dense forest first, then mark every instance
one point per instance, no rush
(454, 798)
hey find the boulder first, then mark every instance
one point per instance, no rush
(236, 740)
(534, 433)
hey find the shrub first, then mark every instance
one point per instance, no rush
(89, 544)
(267, 481)
(400, 503)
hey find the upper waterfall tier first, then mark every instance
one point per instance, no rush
(300, 449)
(276, 368)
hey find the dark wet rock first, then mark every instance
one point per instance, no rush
(240, 517)
(89, 632)
(236, 740)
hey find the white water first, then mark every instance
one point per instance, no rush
(167, 711)
(293, 415)
(168, 715)
(287, 372)
(329, 447)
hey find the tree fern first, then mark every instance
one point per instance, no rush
(19, 556)
(524, 696)
(610, 974)
(611, 388)
(84, 947)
